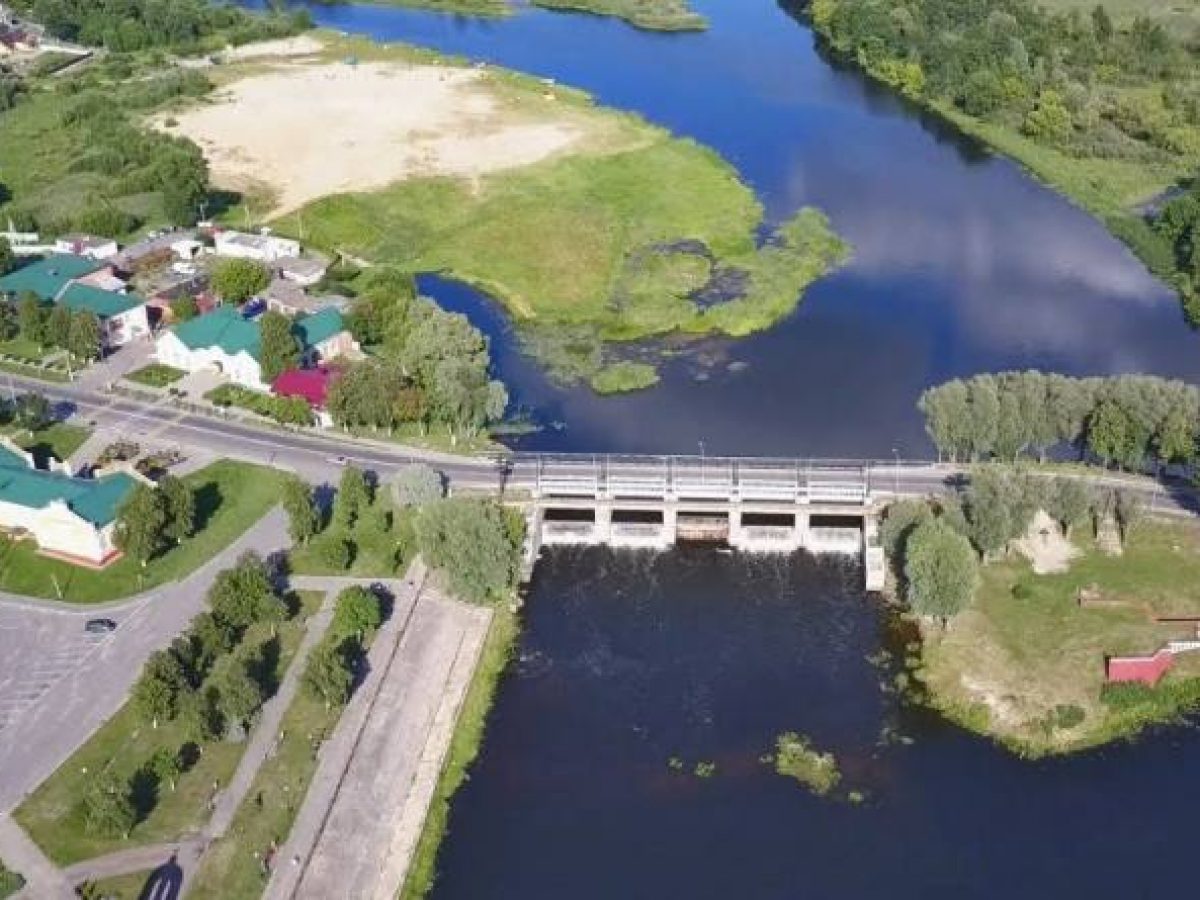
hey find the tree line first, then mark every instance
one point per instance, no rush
(208, 681)
(1073, 82)
(428, 366)
(1124, 419)
(51, 325)
(123, 26)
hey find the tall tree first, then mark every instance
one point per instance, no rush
(304, 518)
(940, 570)
(8, 259)
(155, 695)
(358, 612)
(84, 336)
(58, 327)
(353, 496)
(180, 502)
(1111, 432)
(141, 524)
(328, 676)
(477, 543)
(31, 319)
(237, 280)
(280, 347)
(108, 808)
(1069, 500)
(239, 697)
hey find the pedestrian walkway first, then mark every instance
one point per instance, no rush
(43, 880)
(378, 773)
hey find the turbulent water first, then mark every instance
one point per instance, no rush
(962, 264)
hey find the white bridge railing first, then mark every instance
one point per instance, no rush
(683, 478)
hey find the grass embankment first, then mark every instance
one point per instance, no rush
(492, 9)
(156, 375)
(464, 747)
(624, 376)
(59, 440)
(10, 881)
(53, 816)
(230, 497)
(380, 544)
(650, 15)
(122, 887)
(1025, 663)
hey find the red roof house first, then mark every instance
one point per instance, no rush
(310, 384)
(1145, 669)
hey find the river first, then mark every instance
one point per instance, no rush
(962, 264)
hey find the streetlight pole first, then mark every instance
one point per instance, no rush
(703, 475)
(896, 480)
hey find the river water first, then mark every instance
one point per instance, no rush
(962, 264)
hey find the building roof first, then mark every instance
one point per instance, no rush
(320, 326)
(311, 384)
(1146, 669)
(104, 304)
(224, 327)
(49, 275)
(94, 500)
(86, 241)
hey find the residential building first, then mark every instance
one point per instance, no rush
(87, 245)
(262, 247)
(225, 341)
(302, 270)
(310, 385)
(70, 280)
(291, 299)
(68, 517)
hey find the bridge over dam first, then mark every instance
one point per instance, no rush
(755, 505)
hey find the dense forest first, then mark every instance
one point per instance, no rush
(1123, 419)
(1108, 113)
(128, 25)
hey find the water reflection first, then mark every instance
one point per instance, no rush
(962, 263)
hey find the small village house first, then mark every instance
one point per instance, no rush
(87, 245)
(266, 248)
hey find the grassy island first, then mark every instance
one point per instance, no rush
(572, 216)
(650, 15)
(796, 758)
(1102, 103)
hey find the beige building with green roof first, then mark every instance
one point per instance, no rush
(67, 517)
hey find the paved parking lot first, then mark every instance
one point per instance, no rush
(39, 648)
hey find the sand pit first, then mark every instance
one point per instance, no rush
(308, 130)
(1045, 546)
(300, 45)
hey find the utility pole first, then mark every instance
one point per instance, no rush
(896, 480)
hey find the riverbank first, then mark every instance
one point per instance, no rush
(571, 215)
(498, 647)
(1024, 664)
(648, 15)
(1112, 129)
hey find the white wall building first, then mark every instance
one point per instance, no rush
(261, 247)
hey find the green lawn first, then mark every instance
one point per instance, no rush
(156, 375)
(51, 815)
(464, 747)
(122, 887)
(59, 440)
(378, 552)
(230, 496)
(1025, 651)
(24, 350)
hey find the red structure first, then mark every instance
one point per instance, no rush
(1145, 669)
(310, 384)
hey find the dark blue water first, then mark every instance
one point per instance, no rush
(962, 264)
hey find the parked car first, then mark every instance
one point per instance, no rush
(100, 626)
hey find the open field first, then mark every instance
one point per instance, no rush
(59, 439)
(52, 815)
(1025, 656)
(301, 132)
(1181, 15)
(230, 497)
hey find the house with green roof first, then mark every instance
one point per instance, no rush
(74, 282)
(227, 342)
(68, 517)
